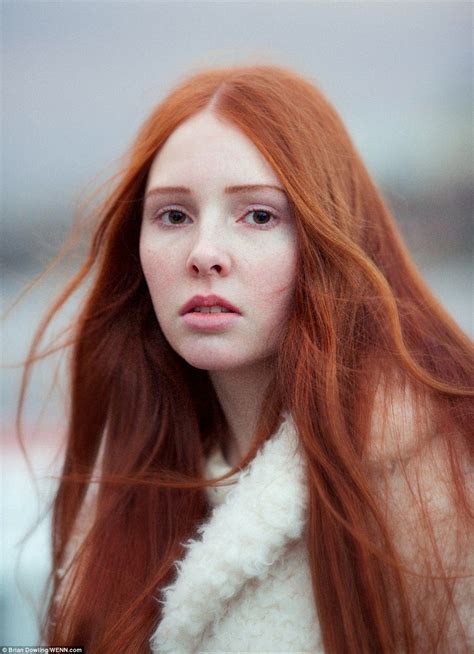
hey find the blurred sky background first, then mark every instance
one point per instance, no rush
(78, 80)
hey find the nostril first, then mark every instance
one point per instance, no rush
(202, 269)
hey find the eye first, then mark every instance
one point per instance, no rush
(172, 217)
(260, 218)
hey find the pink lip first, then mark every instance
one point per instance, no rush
(210, 323)
(207, 301)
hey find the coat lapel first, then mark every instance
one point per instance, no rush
(249, 527)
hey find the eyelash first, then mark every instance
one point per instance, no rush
(264, 226)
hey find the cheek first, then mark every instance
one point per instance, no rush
(158, 272)
(274, 282)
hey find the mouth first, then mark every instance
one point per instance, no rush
(209, 314)
(214, 309)
(208, 304)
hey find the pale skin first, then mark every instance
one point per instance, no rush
(217, 236)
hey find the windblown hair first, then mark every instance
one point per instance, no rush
(374, 373)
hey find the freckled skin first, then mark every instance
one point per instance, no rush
(218, 247)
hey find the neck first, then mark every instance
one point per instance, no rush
(240, 393)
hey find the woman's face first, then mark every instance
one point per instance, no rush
(217, 246)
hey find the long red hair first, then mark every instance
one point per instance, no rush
(364, 331)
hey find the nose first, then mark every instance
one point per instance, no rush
(209, 256)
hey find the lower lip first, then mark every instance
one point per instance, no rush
(210, 322)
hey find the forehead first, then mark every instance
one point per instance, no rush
(206, 152)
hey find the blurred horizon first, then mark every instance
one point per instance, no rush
(400, 76)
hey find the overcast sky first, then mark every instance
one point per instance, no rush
(79, 78)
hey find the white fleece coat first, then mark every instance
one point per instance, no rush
(244, 584)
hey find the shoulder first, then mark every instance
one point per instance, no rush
(415, 455)
(422, 477)
(401, 423)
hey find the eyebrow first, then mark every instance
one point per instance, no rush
(159, 190)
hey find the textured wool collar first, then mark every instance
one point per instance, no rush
(251, 524)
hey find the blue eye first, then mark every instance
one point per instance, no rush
(260, 218)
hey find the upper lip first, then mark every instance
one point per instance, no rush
(207, 301)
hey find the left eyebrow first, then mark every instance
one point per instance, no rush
(159, 190)
(252, 187)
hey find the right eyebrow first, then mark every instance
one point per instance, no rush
(161, 190)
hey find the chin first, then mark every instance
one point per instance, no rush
(212, 360)
(213, 364)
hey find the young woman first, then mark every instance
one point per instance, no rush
(270, 441)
